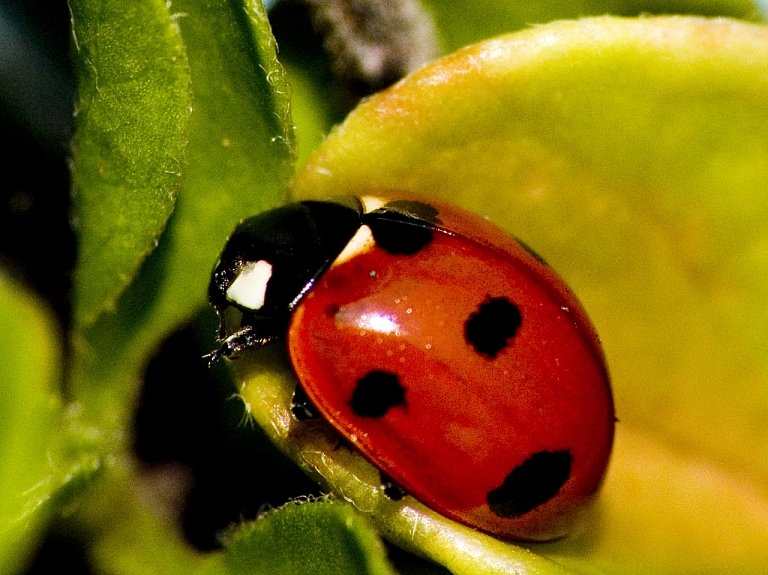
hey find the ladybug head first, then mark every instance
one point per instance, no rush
(272, 259)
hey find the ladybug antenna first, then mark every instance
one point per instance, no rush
(222, 331)
(212, 357)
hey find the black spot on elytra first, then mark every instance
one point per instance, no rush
(375, 393)
(391, 489)
(400, 238)
(402, 227)
(301, 406)
(490, 328)
(537, 480)
(414, 210)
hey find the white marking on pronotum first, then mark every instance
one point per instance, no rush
(360, 243)
(371, 203)
(250, 287)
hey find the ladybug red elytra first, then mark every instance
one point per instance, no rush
(443, 349)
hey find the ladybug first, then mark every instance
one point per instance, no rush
(446, 351)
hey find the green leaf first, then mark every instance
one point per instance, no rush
(29, 411)
(128, 532)
(133, 103)
(463, 22)
(133, 537)
(302, 537)
(310, 111)
(239, 159)
(632, 154)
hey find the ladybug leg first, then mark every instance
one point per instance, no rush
(245, 338)
(391, 489)
(301, 406)
(343, 443)
(254, 332)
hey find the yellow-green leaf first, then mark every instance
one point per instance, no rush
(29, 411)
(462, 22)
(633, 155)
